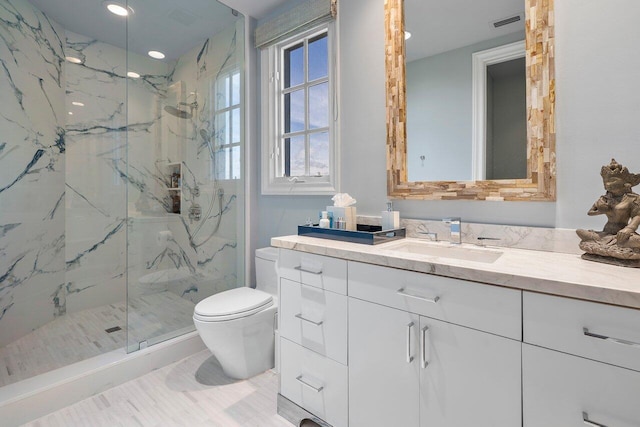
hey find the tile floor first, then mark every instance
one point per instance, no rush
(79, 336)
(193, 392)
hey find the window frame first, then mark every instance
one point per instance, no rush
(272, 76)
(228, 73)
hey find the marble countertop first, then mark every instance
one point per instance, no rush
(552, 273)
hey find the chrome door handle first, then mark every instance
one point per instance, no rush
(304, 270)
(299, 316)
(404, 293)
(587, 422)
(424, 359)
(409, 356)
(316, 389)
(612, 339)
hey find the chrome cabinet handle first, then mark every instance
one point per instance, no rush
(404, 293)
(299, 316)
(409, 356)
(316, 389)
(613, 340)
(425, 345)
(304, 270)
(587, 422)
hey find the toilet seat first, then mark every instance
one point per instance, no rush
(232, 304)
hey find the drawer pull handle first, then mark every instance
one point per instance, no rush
(306, 270)
(425, 344)
(587, 422)
(299, 316)
(613, 340)
(404, 293)
(409, 356)
(316, 389)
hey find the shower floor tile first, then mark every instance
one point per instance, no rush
(191, 392)
(78, 336)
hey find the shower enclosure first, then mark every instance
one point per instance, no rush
(121, 178)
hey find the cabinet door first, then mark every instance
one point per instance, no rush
(471, 378)
(383, 366)
(561, 390)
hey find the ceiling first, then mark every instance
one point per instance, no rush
(438, 26)
(170, 26)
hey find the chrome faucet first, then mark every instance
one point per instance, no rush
(455, 229)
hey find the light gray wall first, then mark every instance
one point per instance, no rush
(596, 111)
(439, 112)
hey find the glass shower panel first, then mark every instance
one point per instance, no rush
(185, 227)
(62, 195)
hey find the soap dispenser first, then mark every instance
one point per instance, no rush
(324, 221)
(390, 218)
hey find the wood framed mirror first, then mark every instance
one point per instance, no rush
(539, 184)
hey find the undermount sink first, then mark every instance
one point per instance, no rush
(445, 250)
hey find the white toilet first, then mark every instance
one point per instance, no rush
(238, 325)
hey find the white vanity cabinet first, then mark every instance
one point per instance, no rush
(312, 321)
(581, 363)
(408, 369)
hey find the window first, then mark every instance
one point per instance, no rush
(299, 125)
(227, 122)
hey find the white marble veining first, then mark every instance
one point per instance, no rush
(77, 191)
(32, 165)
(510, 236)
(548, 272)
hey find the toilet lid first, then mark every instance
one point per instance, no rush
(233, 303)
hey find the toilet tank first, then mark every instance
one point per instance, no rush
(266, 275)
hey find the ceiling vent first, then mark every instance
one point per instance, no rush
(506, 21)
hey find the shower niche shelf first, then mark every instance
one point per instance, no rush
(174, 187)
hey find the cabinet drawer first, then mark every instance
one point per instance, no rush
(484, 307)
(592, 330)
(314, 270)
(314, 318)
(561, 390)
(314, 382)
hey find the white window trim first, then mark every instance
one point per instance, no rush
(270, 115)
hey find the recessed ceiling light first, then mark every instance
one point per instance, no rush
(73, 59)
(155, 54)
(118, 8)
(133, 75)
(71, 113)
(407, 35)
(77, 104)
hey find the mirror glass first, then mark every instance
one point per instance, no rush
(444, 96)
(450, 134)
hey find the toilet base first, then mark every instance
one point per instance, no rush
(244, 347)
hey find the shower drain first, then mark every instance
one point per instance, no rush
(114, 329)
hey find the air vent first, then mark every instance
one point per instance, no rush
(506, 21)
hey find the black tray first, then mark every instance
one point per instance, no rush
(366, 234)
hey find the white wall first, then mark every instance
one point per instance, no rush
(597, 112)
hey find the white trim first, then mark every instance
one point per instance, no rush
(270, 68)
(480, 61)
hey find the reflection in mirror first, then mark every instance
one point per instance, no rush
(470, 103)
(440, 76)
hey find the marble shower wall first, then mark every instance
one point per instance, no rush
(215, 261)
(112, 143)
(32, 165)
(64, 213)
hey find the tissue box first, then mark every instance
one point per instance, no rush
(348, 213)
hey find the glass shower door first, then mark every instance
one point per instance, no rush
(185, 228)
